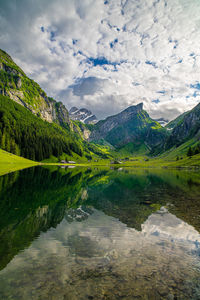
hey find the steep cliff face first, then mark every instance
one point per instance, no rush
(16, 85)
(61, 113)
(81, 130)
(131, 125)
(187, 127)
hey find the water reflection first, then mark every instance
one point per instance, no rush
(99, 234)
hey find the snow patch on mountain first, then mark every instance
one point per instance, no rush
(163, 122)
(84, 115)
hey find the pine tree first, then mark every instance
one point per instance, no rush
(7, 144)
(3, 141)
(190, 152)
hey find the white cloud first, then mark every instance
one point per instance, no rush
(143, 47)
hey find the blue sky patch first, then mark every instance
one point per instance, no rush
(195, 94)
(195, 86)
(100, 61)
(152, 63)
(113, 43)
(173, 41)
(52, 36)
(156, 101)
(161, 92)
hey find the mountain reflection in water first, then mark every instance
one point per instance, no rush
(99, 234)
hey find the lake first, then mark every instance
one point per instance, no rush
(100, 233)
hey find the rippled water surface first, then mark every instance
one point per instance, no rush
(99, 234)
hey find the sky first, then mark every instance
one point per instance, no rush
(106, 55)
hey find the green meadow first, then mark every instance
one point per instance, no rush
(10, 162)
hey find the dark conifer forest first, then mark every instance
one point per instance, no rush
(24, 134)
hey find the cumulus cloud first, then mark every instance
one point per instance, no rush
(106, 55)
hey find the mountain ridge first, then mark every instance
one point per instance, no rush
(131, 125)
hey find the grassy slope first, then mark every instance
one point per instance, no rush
(193, 162)
(131, 149)
(180, 151)
(10, 162)
(141, 162)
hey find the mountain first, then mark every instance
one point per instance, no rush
(133, 125)
(176, 121)
(17, 86)
(84, 115)
(185, 127)
(163, 122)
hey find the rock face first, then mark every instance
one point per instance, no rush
(131, 125)
(61, 113)
(81, 130)
(17, 86)
(188, 127)
(84, 115)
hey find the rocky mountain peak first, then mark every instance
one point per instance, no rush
(73, 110)
(134, 108)
(83, 114)
(126, 114)
(132, 125)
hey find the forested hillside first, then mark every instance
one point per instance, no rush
(24, 134)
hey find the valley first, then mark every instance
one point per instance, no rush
(36, 127)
